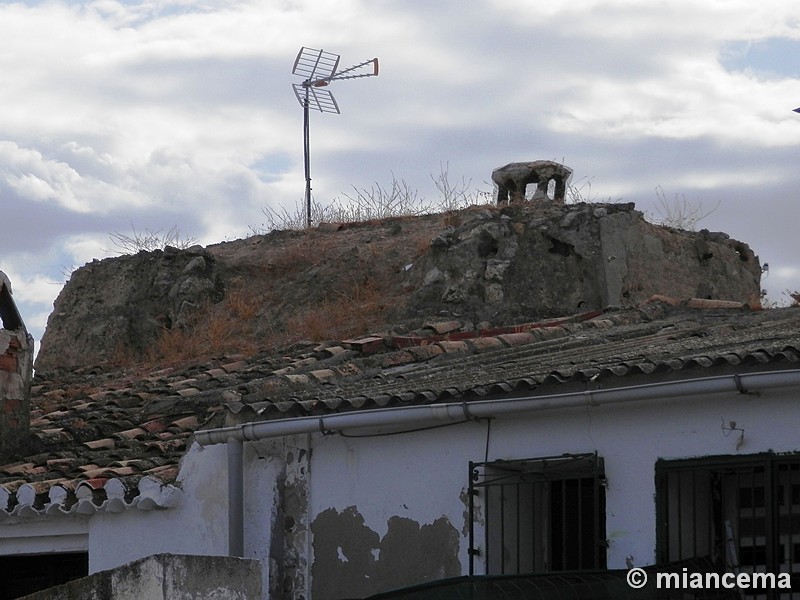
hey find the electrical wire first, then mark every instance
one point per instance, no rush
(388, 433)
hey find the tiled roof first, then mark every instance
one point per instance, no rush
(112, 441)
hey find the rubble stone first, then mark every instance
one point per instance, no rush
(16, 371)
(514, 264)
(513, 179)
(124, 302)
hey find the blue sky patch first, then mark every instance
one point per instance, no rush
(772, 57)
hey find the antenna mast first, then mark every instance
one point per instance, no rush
(319, 68)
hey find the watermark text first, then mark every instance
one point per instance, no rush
(688, 580)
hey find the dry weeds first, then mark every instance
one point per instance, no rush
(318, 285)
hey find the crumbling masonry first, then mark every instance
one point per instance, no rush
(513, 179)
(16, 369)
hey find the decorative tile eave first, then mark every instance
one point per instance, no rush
(87, 497)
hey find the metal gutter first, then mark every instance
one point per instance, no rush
(478, 409)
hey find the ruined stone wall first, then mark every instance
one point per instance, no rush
(120, 305)
(485, 266)
(16, 367)
(528, 262)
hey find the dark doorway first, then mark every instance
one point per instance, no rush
(22, 575)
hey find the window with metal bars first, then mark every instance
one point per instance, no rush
(539, 515)
(742, 513)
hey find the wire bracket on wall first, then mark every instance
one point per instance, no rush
(590, 399)
(322, 427)
(740, 387)
(729, 427)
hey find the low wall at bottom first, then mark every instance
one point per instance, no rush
(166, 577)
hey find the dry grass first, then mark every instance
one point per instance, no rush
(148, 240)
(242, 303)
(244, 324)
(679, 213)
(320, 284)
(213, 330)
(211, 334)
(291, 258)
(354, 309)
(380, 201)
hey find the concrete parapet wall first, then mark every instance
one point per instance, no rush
(166, 577)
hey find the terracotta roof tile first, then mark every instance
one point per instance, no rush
(486, 343)
(113, 440)
(323, 374)
(425, 352)
(453, 345)
(330, 351)
(136, 432)
(105, 443)
(367, 345)
(445, 327)
(183, 383)
(516, 339)
(188, 391)
(190, 422)
(235, 366)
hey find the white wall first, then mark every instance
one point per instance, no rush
(42, 535)
(424, 475)
(198, 525)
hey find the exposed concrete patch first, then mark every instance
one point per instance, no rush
(343, 554)
(352, 560)
(477, 513)
(411, 553)
(295, 523)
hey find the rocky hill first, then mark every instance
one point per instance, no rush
(485, 266)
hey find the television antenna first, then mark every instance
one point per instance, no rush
(319, 68)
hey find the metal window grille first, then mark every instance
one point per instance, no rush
(539, 515)
(742, 513)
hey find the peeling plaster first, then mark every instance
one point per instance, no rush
(295, 520)
(478, 513)
(287, 461)
(351, 560)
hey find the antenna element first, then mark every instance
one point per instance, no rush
(319, 68)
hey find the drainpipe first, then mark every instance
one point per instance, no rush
(480, 409)
(235, 497)
(460, 411)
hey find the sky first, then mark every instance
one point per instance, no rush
(122, 116)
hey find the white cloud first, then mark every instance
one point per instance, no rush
(33, 293)
(788, 274)
(156, 113)
(650, 69)
(30, 175)
(82, 248)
